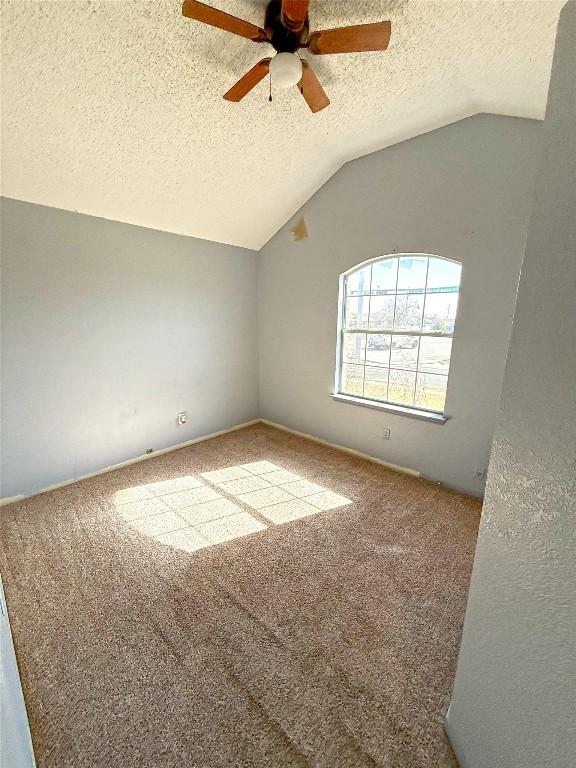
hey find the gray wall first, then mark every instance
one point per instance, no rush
(514, 702)
(15, 742)
(109, 330)
(463, 192)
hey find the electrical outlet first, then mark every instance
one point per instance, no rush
(386, 433)
(182, 418)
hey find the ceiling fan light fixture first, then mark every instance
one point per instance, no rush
(287, 30)
(286, 70)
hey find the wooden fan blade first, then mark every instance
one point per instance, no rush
(250, 79)
(294, 13)
(311, 89)
(201, 12)
(363, 37)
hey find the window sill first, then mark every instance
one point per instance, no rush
(399, 410)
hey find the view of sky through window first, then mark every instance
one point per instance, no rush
(396, 330)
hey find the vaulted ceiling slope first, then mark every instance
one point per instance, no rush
(115, 108)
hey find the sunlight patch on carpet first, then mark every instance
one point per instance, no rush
(191, 513)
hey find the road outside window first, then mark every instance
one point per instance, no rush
(396, 328)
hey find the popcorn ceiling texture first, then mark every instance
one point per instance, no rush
(115, 108)
(517, 673)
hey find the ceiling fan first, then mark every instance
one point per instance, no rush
(286, 28)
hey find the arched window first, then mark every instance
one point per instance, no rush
(396, 324)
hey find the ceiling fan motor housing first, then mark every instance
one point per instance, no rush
(286, 28)
(282, 39)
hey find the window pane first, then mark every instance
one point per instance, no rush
(352, 379)
(378, 349)
(431, 391)
(386, 305)
(435, 354)
(376, 383)
(412, 274)
(401, 387)
(440, 312)
(382, 312)
(408, 316)
(404, 352)
(358, 283)
(354, 348)
(357, 312)
(443, 275)
(384, 276)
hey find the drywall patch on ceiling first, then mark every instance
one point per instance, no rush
(115, 109)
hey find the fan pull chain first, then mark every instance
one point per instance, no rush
(270, 97)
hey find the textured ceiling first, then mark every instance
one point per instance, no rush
(115, 108)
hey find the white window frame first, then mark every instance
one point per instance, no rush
(338, 394)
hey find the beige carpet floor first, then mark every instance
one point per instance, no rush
(301, 608)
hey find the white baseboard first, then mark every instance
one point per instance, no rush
(128, 462)
(387, 464)
(17, 706)
(455, 742)
(11, 499)
(146, 456)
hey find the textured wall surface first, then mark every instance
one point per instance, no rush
(109, 331)
(463, 192)
(115, 108)
(514, 701)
